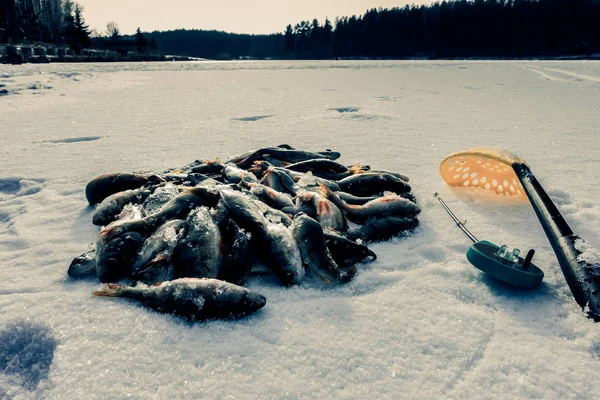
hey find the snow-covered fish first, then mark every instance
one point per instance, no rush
(110, 208)
(280, 153)
(160, 197)
(381, 229)
(84, 265)
(308, 233)
(237, 253)
(153, 261)
(104, 185)
(198, 252)
(346, 252)
(246, 215)
(233, 174)
(370, 183)
(272, 197)
(283, 256)
(192, 298)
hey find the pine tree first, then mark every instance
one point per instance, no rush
(81, 29)
(290, 41)
(141, 43)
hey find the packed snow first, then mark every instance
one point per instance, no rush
(419, 322)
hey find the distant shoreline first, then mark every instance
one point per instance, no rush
(86, 60)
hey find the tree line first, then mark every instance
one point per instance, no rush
(453, 28)
(50, 21)
(61, 22)
(460, 28)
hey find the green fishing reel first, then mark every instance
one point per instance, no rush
(498, 262)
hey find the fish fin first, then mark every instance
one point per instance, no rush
(217, 160)
(356, 169)
(324, 190)
(109, 290)
(330, 195)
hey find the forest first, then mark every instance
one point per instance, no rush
(446, 29)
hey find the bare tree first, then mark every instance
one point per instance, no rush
(112, 30)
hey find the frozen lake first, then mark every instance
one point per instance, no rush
(419, 322)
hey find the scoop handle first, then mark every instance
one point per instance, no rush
(582, 277)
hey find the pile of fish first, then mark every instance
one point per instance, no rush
(189, 239)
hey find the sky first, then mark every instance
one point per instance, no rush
(240, 16)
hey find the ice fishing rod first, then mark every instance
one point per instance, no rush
(498, 261)
(494, 170)
(582, 277)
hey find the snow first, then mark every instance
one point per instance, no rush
(418, 322)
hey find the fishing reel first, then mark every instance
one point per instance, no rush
(498, 261)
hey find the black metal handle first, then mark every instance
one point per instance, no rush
(583, 279)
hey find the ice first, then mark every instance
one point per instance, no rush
(588, 253)
(419, 322)
(307, 180)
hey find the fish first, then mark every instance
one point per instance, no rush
(278, 180)
(283, 256)
(336, 176)
(198, 252)
(375, 171)
(385, 206)
(84, 265)
(381, 229)
(176, 208)
(194, 299)
(181, 205)
(346, 252)
(160, 197)
(237, 254)
(104, 185)
(308, 234)
(318, 164)
(273, 215)
(326, 212)
(356, 200)
(272, 197)
(111, 206)
(205, 167)
(246, 215)
(153, 261)
(132, 211)
(234, 174)
(370, 183)
(283, 154)
(119, 241)
(115, 255)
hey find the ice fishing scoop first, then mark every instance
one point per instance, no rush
(497, 261)
(494, 170)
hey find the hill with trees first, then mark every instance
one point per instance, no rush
(446, 29)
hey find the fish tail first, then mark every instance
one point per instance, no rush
(109, 290)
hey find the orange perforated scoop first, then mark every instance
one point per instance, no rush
(488, 169)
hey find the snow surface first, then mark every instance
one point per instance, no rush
(420, 322)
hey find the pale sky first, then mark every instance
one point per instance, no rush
(251, 16)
